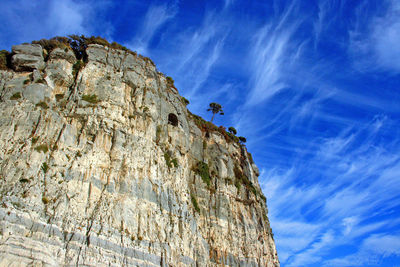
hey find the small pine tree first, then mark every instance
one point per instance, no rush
(215, 108)
(232, 130)
(242, 140)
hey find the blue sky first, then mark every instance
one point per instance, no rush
(312, 85)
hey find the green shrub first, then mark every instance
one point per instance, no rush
(204, 126)
(204, 172)
(34, 140)
(167, 158)
(27, 81)
(158, 133)
(233, 137)
(170, 81)
(78, 45)
(174, 162)
(228, 180)
(77, 67)
(232, 130)
(97, 40)
(238, 185)
(90, 98)
(42, 105)
(147, 59)
(23, 180)
(45, 167)
(194, 202)
(45, 200)
(252, 188)
(185, 101)
(55, 42)
(59, 97)
(4, 59)
(207, 126)
(16, 96)
(42, 148)
(242, 140)
(170, 161)
(115, 45)
(243, 179)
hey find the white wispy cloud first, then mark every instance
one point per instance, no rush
(373, 249)
(311, 254)
(294, 236)
(156, 16)
(198, 50)
(67, 16)
(204, 43)
(273, 47)
(268, 58)
(72, 17)
(361, 181)
(349, 223)
(207, 65)
(329, 13)
(33, 20)
(344, 179)
(280, 64)
(374, 44)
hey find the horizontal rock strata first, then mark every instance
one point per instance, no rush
(103, 165)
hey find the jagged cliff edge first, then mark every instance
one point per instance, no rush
(103, 165)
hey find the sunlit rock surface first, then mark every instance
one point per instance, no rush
(93, 174)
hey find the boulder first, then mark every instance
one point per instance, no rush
(97, 53)
(66, 54)
(27, 57)
(28, 49)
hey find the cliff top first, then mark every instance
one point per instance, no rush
(78, 45)
(99, 151)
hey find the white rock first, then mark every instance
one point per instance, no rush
(111, 182)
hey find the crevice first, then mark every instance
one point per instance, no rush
(67, 241)
(73, 92)
(88, 197)
(36, 125)
(77, 258)
(84, 124)
(60, 133)
(91, 218)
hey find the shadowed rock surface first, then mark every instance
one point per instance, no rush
(95, 171)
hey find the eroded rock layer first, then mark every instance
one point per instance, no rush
(103, 165)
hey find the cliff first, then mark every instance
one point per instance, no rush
(103, 165)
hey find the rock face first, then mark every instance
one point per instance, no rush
(27, 57)
(104, 166)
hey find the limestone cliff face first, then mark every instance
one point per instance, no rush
(104, 166)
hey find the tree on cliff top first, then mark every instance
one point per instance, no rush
(232, 130)
(215, 108)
